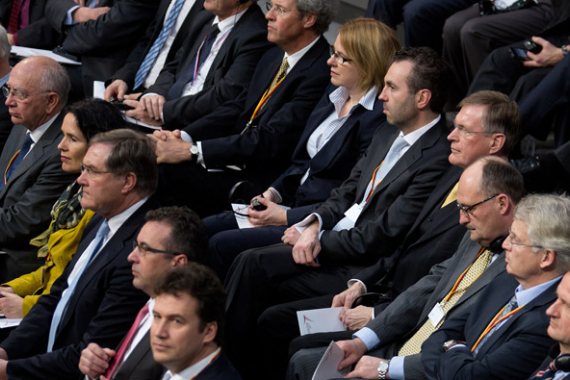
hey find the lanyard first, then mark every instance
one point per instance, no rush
(454, 289)
(211, 360)
(264, 98)
(196, 68)
(372, 187)
(494, 323)
(10, 164)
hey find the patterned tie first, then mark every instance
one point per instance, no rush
(14, 15)
(156, 47)
(62, 304)
(546, 374)
(118, 359)
(452, 197)
(512, 305)
(281, 73)
(17, 159)
(414, 344)
(203, 52)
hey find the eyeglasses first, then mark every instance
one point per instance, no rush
(145, 249)
(18, 95)
(513, 242)
(464, 132)
(279, 10)
(92, 172)
(468, 209)
(337, 56)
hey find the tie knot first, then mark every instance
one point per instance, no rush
(103, 230)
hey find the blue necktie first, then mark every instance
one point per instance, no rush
(62, 304)
(158, 44)
(188, 74)
(17, 159)
(512, 305)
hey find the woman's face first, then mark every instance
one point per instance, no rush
(73, 146)
(342, 74)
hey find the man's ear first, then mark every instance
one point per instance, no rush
(423, 98)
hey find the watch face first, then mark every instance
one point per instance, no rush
(383, 367)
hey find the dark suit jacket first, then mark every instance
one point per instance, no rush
(6, 125)
(511, 352)
(333, 163)
(101, 309)
(140, 364)
(433, 238)
(103, 44)
(553, 354)
(32, 189)
(409, 311)
(395, 204)
(129, 70)
(220, 369)
(38, 33)
(265, 150)
(230, 73)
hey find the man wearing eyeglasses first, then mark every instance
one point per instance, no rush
(171, 237)
(32, 178)
(94, 299)
(487, 193)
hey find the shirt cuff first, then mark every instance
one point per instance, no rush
(277, 193)
(186, 137)
(303, 224)
(352, 281)
(368, 336)
(396, 368)
(69, 18)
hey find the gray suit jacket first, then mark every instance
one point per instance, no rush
(408, 312)
(29, 194)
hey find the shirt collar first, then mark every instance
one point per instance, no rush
(4, 79)
(229, 22)
(414, 136)
(339, 97)
(196, 368)
(296, 57)
(37, 133)
(525, 296)
(117, 221)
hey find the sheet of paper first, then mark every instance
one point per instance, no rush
(30, 52)
(328, 366)
(242, 221)
(7, 322)
(98, 89)
(136, 122)
(319, 320)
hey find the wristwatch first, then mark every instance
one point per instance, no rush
(565, 49)
(195, 151)
(383, 369)
(450, 343)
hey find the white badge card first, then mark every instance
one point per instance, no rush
(436, 315)
(353, 213)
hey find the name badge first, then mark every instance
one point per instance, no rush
(436, 315)
(353, 213)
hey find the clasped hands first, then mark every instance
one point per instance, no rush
(170, 148)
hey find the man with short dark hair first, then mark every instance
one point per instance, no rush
(188, 326)
(36, 93)
(94, 299)
(171, 237)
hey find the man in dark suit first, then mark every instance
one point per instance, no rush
(155, 52)
(253, 136)
(398, 327)
(433, 238)
(171, 236)
(37, 92)
(555, 366)
(5, 69)
(504, 334)
(101, 33)
(94, 299)
(188, 327)
(210, 70)
(367, 216)
(26, 24)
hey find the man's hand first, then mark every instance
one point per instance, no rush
(95, 360)
(170, 148)
(116, 89)
(550, 55)
(357, 318)
(3, 374)
(153, 104)
(307, 248)
(83, 14)
(138, 112)
(11, 304)
(273, 215)
(291, 236)
(353, 349)
(347, 297)
(366, 368)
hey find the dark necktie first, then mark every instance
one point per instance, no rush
(188, 74)
(17, 159)
(546, 374)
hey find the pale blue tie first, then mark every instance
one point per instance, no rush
(62, 304)
(512, 305)
(389, 161)
(158, 44)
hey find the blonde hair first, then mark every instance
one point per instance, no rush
(371, 45)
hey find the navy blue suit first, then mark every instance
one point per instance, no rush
(101, 309)
(513, 351)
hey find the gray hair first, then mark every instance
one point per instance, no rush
(325, 10)
(547, 217)
(54, 78)
(4, 45)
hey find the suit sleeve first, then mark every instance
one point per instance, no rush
(383, 231)
(31, 212)
(119, 304)
(122, 25)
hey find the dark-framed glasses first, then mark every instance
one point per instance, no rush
(145, 249)
(468, 209)
(92, 172)
(337, 56)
